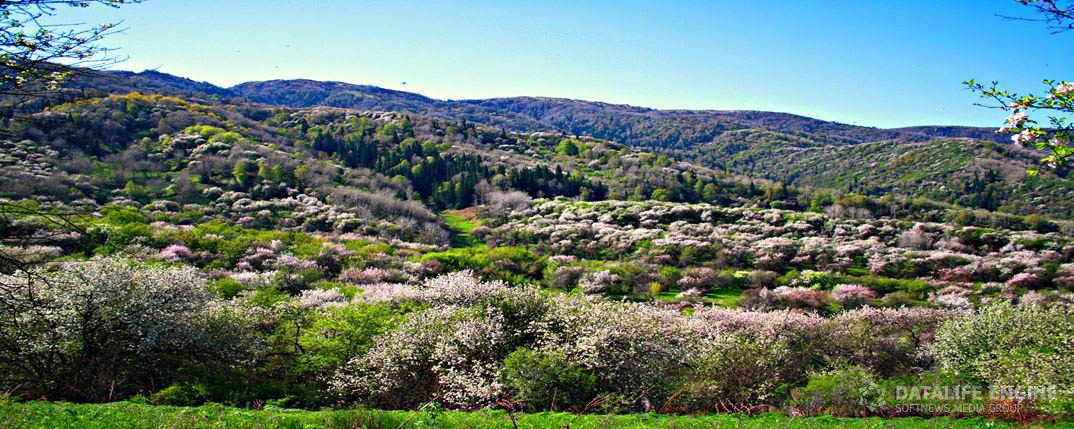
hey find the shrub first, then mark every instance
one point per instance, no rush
(101, 329)
(564, 277)
(366, 276)
(546, 379)
(886, 341)
(227, 287)
(183, 394)
(803, 298)
(445, 354)
(736, 371)
(764, 279)
(839, 392)
(321, 298)
(338, 334)
(598, 282)
(633, 349)
(1007, 345)
(853, 296)
(174, 253)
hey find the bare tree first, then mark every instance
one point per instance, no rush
(45, 226)
(1058, 15)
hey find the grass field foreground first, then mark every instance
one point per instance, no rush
(133, 415)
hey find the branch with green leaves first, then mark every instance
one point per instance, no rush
(1055, 138)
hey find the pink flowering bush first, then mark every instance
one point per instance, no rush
(700, 278)
(598, 282)
(174, 253)
(853, 296)
(803, 298)
(1023, 280)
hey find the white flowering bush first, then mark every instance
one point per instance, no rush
(448, 354)
(101, 329)
(598, 282)
(1005, 345)
(644, 354)
(634, 350)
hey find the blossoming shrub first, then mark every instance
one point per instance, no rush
(101, 329)
(634, 350)
(446, 354)
(1008, 345)
(887, 341)
(738, 372)
(598, 282)
(853, 296)
(478, 342)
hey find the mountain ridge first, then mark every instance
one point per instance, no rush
(623, 123)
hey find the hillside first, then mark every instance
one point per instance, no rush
(260, 255)
(791, 149)
(967, 172)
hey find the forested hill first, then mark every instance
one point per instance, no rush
(630, 125)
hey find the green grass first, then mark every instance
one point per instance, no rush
(130, 415)
(460, 228)
(724, 297)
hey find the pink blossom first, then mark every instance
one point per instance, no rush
(1065, 88)
(1033, 297)
(1017, 119)
(1026, 136)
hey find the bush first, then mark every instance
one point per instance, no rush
(1007, 345)
(446, 354)
(853, 296)
(737, 372)
(100, 329)
(180, 394)
(546, 379)
(227, 287)
(338, 334)
(839, 392)
(886, 341)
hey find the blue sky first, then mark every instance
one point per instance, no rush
(877, 63)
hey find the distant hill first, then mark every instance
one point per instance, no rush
(630, 125)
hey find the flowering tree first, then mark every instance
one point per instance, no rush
(1057, 136)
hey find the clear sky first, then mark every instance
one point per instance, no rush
(868, 62)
